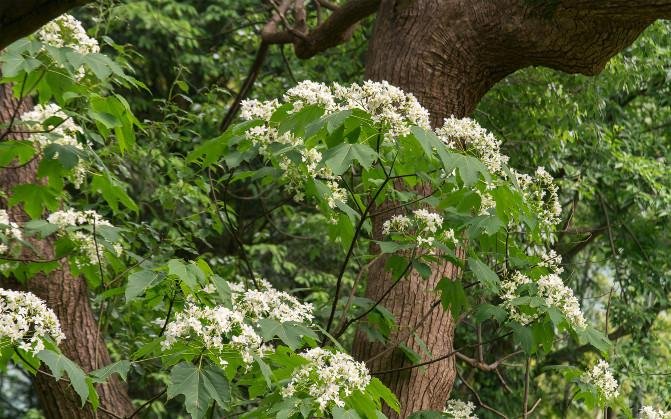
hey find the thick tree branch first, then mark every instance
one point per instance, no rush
(19, 18)
(336, 29)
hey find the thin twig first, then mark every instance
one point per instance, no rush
(477, 397)
(147, 403)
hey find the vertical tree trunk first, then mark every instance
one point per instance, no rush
(68, 297)
(408, 50)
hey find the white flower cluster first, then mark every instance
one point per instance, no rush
(558, 295)
(649, 412)
(551, 260)
(602, 378)
(63, 133)
(467, 134)
(10, 230)
(329, 377)
(267, 302)
(456, 409)
(545, 194)
(219, 326)
(215, 327)
(26, 320)
(551, 289)
(84, 239)
(486, 202)
(72, 217)
(424, 226)
(389, 107)
(66, 31)
(254, 109)
(296, 176)
(310, 93)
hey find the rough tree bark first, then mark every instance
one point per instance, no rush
(69, 298)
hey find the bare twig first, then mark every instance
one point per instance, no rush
(477, 397)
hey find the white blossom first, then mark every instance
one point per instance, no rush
(467, 134)
(72, 217)
(10, 230)
(397, 223)
(309, 92)
(329, 377)
(486, 202)
(554, 293)
(63, 133)
(558, 295)
(220, 327)
(25, 320)
(551, 260)
(66, 31)
(601, 377)
(546, 194)
(423, 228)
(388, 106)
(508, 293)
(267, 302)
(254, 109)
(650, 412)
(89, 249)
(458, 409)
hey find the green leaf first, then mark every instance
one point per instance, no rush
(524, 336)
(138, 282)
(469, 168)
(107, 119)
(452, 296)
(223, 289)
(199, 387)
(112, 191)
(378, 390)
(34, 198)
(41, 227)
(58, 363)
(393, 247)
(340, 157)
(120, 367)
(177, 268)
(290, 333)
(340, 413)
(15, 152)
(410, 354)
(595, 338)
(484, 274)
(429, 142)
(297, 122)
(210, 151)
(422, 269)
(488, 311)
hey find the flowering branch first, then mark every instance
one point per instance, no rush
(350, 251)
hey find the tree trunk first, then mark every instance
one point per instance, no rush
(68, 297)
(408, 51)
